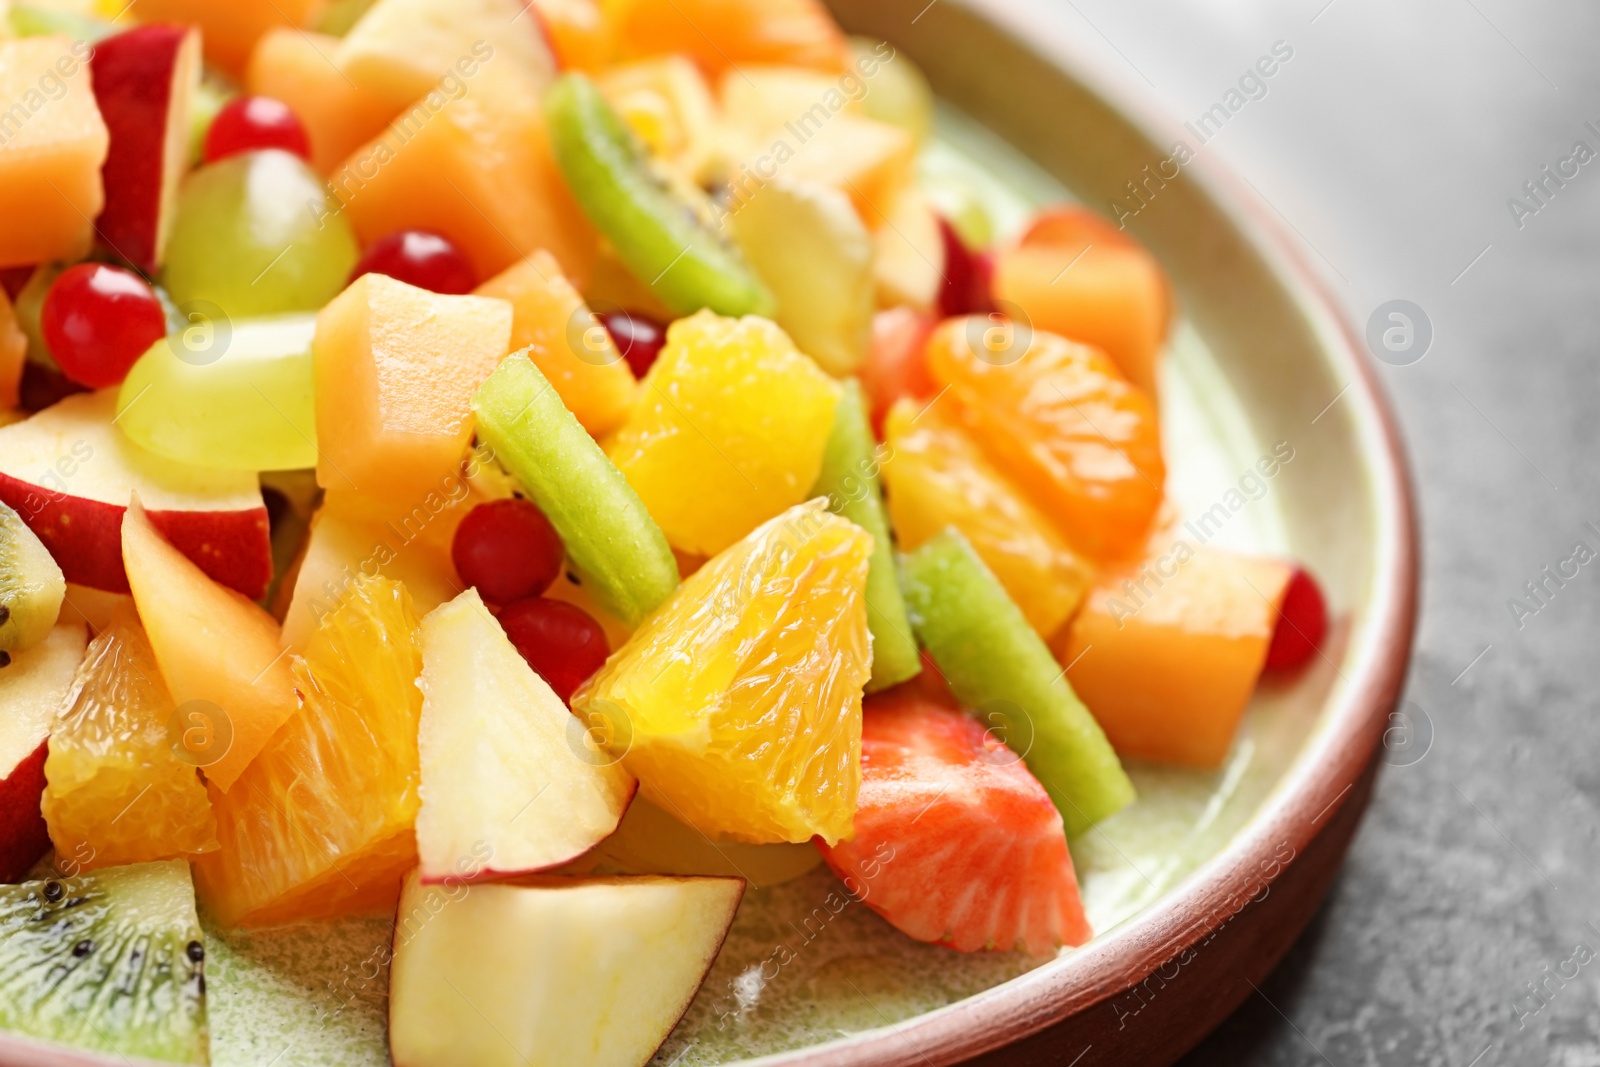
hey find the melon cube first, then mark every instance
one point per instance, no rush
(229, 29)
(395, 369)
(1166, 652)
(297, 68)
(52, 144)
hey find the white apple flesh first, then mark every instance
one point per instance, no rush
(145, 81)
(31, 691)
(510, 784)
(562, 973)
(69, 472)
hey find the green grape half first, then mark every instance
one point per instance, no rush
(216, 394)
(257, 234)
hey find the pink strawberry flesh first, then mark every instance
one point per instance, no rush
(955, 842)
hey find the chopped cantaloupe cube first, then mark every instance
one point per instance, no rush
(479, 170)
(13, 353)
(229, 28)
(720, 34)
(395, 369)
(568, 345)
(1166, 652)
(297, 68)
(578, 32)
(52, 144)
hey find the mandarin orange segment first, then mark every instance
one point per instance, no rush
(117, 791)
(1059, 420)
(937, 477)
(728, 430)
(320, 824)
(723, 34)
(737, 703)
(577, 31)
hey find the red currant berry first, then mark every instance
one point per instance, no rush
(419, 258)
(1302, 623)
(98, 320)
(562, 643)
(508, 549)
(639, 339)
(248, 123)
(968, 276)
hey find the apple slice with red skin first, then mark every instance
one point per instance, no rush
(31, 691)
(70, 473)
(145, 80)
(555, 972)
(511, 782)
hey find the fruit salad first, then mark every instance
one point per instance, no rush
(542, 480)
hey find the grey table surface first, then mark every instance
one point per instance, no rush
(1464, 930)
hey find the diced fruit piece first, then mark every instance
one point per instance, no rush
(758, 100)
(321, 823)
(228, 30)
(98, 320)
(396, 367)
(510, 784)
(897, 91)
(111, 962)
(614, 545)
(94, 608)
(653, 229)
(251, 123)
(668, 105)
(210, 97)
(507, 550)
(213, 646)
(1058, 418)
(550, 974)
(849, 482)
(870, 160)
(725, 34)
(555, 327)
(898, 364)
(563, 644)
(296, 67)
(577, 32)
(29, 308)
(955, 841)
(1075, 274)
(738, 702)
(401, 49)
(998, 666)
(145, 80)
(728, 431)
(649, 841)
(119, 791)
(1302, 623)
(13, 354)
(54, 17)
(909, 260)
(70, 473)
(257, 234)
(419, 258)
(340, 550)
(236, 396)
(638, 337)
(50, 185)
(968, 275)
(32, 687)
(938, 477)
(478, 170)
(811, 250)
(31, 586)
(1166, 652)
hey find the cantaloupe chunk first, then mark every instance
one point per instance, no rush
(1166, 653)
(578, 32)
(229, 29)
(297, 68)
(395, 369)
(1075, 274)
(721, 34)
(212, 645)
(478, 170)
(52, 144)
(401, 49)
(568, 345)
(13, 353)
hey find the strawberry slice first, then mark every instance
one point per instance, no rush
(955, 842)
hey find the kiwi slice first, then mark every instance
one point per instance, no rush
(110, 961)
(31, 586)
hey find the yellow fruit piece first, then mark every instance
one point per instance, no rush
(321, 823)
(737, 703)
(116, 790)
(728, 430)
(937, 476)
